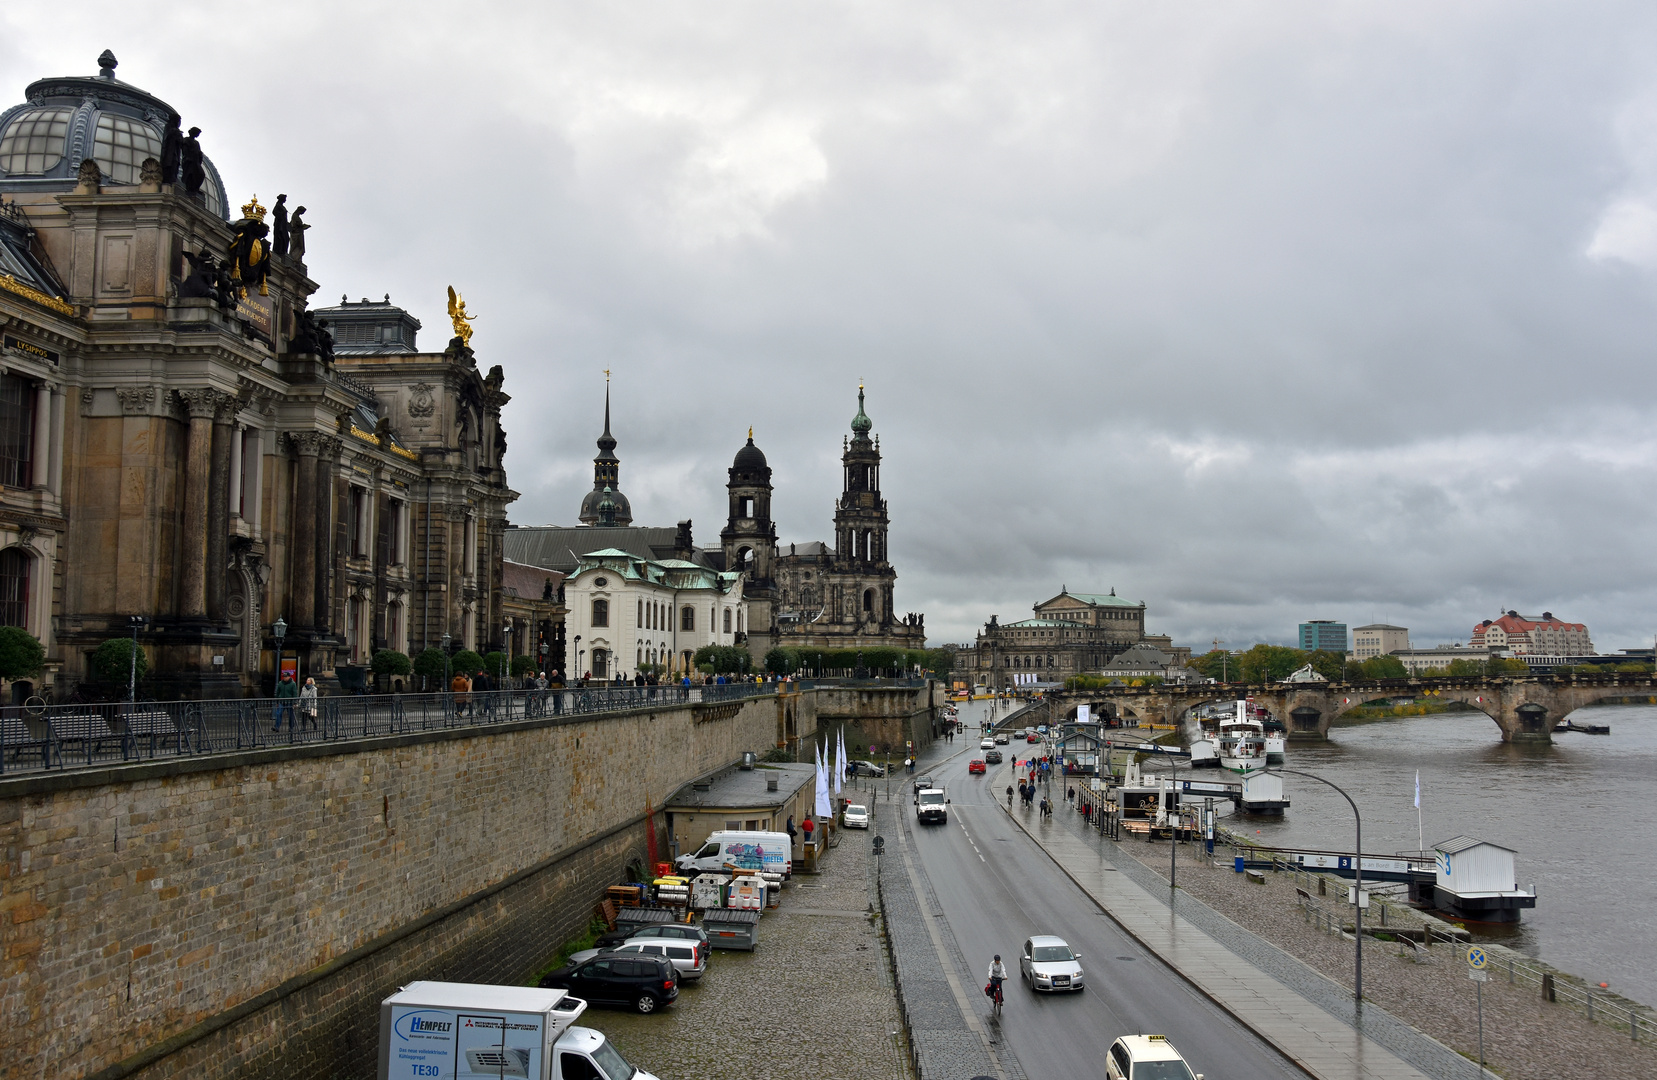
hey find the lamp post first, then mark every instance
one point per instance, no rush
(1357, 882)
(444, 688)
(136, 621)
(543, 651)
(278, 630)
(506, 632)
(578, 667)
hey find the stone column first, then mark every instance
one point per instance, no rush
(302, 546)
(235, 471)
(254, 492)
(201, 404)
(55, 477)
(218, 506)
(327, 483)
(42, 463)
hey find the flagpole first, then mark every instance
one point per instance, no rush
(1420, 836)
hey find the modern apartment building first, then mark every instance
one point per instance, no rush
(1378, 639)
(1325, 634)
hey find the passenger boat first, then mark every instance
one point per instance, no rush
(1242, 743)
(1205, 748)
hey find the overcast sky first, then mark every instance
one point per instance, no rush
(1258, 312)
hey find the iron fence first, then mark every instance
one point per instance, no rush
(53, 737)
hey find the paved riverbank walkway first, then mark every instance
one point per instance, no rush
(1372, 1045)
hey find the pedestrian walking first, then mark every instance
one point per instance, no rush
(286, 691)
(461, 687)
(307, 705)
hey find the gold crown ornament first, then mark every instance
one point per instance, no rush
(253, 210)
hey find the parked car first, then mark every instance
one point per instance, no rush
(1146, 1057)
(976, 765)
(992, 757)
(647, 983)
(685, 956)
(867, 768)
(1048, 964)
(856, 816)
(682, 931)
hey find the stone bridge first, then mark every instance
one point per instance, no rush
(1526, 708)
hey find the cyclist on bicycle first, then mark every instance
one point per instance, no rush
(998, 975)
(1009, 795)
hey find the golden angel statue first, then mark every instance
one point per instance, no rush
(462, 321)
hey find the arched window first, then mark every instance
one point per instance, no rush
(727, 620)
(739, 621)
(687, 618)
(641, 615)
(601, 617)
(868, 601)
(14, 587)
(601, 662)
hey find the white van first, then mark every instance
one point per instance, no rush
(769, 853)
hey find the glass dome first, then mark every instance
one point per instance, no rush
(67, 120)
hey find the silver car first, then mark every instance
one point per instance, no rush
(856, 816)
(1048, 964)
(685, 956)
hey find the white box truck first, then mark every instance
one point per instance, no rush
(467, 1031)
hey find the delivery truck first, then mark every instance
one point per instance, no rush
(768, 853)
(467, 1031)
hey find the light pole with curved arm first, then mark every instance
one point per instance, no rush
(1357, 882)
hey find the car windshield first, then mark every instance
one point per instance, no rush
(615, 1066)
(1161, 1070)
(1047, 954)
(856, 810)
(928, 798)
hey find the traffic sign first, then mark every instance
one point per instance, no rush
(1476, 958)
(1478, 975)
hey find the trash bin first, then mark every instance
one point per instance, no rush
(1238, 864)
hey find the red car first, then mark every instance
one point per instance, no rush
(1034, 738)
(976, 765)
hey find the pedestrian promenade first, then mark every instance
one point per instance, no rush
(1326, 1045)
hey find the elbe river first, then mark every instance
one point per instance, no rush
(1581, 813)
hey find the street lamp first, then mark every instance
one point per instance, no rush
(445, 685)
(1357, 883)
(279, 630)
(506, 631)
(135, 621)
(578, 667)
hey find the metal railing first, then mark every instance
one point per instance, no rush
(1598, 1005)
(54, 737)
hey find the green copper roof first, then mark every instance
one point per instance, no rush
(1100, 601)
(861, 422)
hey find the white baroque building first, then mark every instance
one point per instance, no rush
(625, 611)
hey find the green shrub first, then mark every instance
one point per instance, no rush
(523, 666)
(112, 661)
(723, 659)
(468, 662)
(430, 665)
(391, 662)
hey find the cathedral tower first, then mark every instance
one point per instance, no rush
(750, 542)
(606, 477)
(860, 525)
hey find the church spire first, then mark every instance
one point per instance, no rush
(607, 441)
(606, 476)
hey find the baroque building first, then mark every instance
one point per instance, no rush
(1070, 634)
(844, 597)
(184, 442)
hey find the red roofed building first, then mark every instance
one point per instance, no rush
(1525, 634)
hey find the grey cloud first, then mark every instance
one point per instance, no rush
(1258, 313)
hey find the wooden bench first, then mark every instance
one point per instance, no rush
(17, 739)
(89, 731)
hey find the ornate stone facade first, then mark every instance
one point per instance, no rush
(221, 469)
(843, 597)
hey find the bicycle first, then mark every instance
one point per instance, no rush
(996, 998)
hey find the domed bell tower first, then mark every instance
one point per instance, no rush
(750, 543)
(861, 524)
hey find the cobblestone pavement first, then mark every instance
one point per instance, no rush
(814, 1001)
(1524, 1037)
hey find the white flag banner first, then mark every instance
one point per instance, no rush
(825, 808)
(1418, 789)
(839, 761)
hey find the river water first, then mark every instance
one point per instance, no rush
(1581, 813)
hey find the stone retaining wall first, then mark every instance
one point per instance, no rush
(243, 915)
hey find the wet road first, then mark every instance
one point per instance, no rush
(995, 887)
